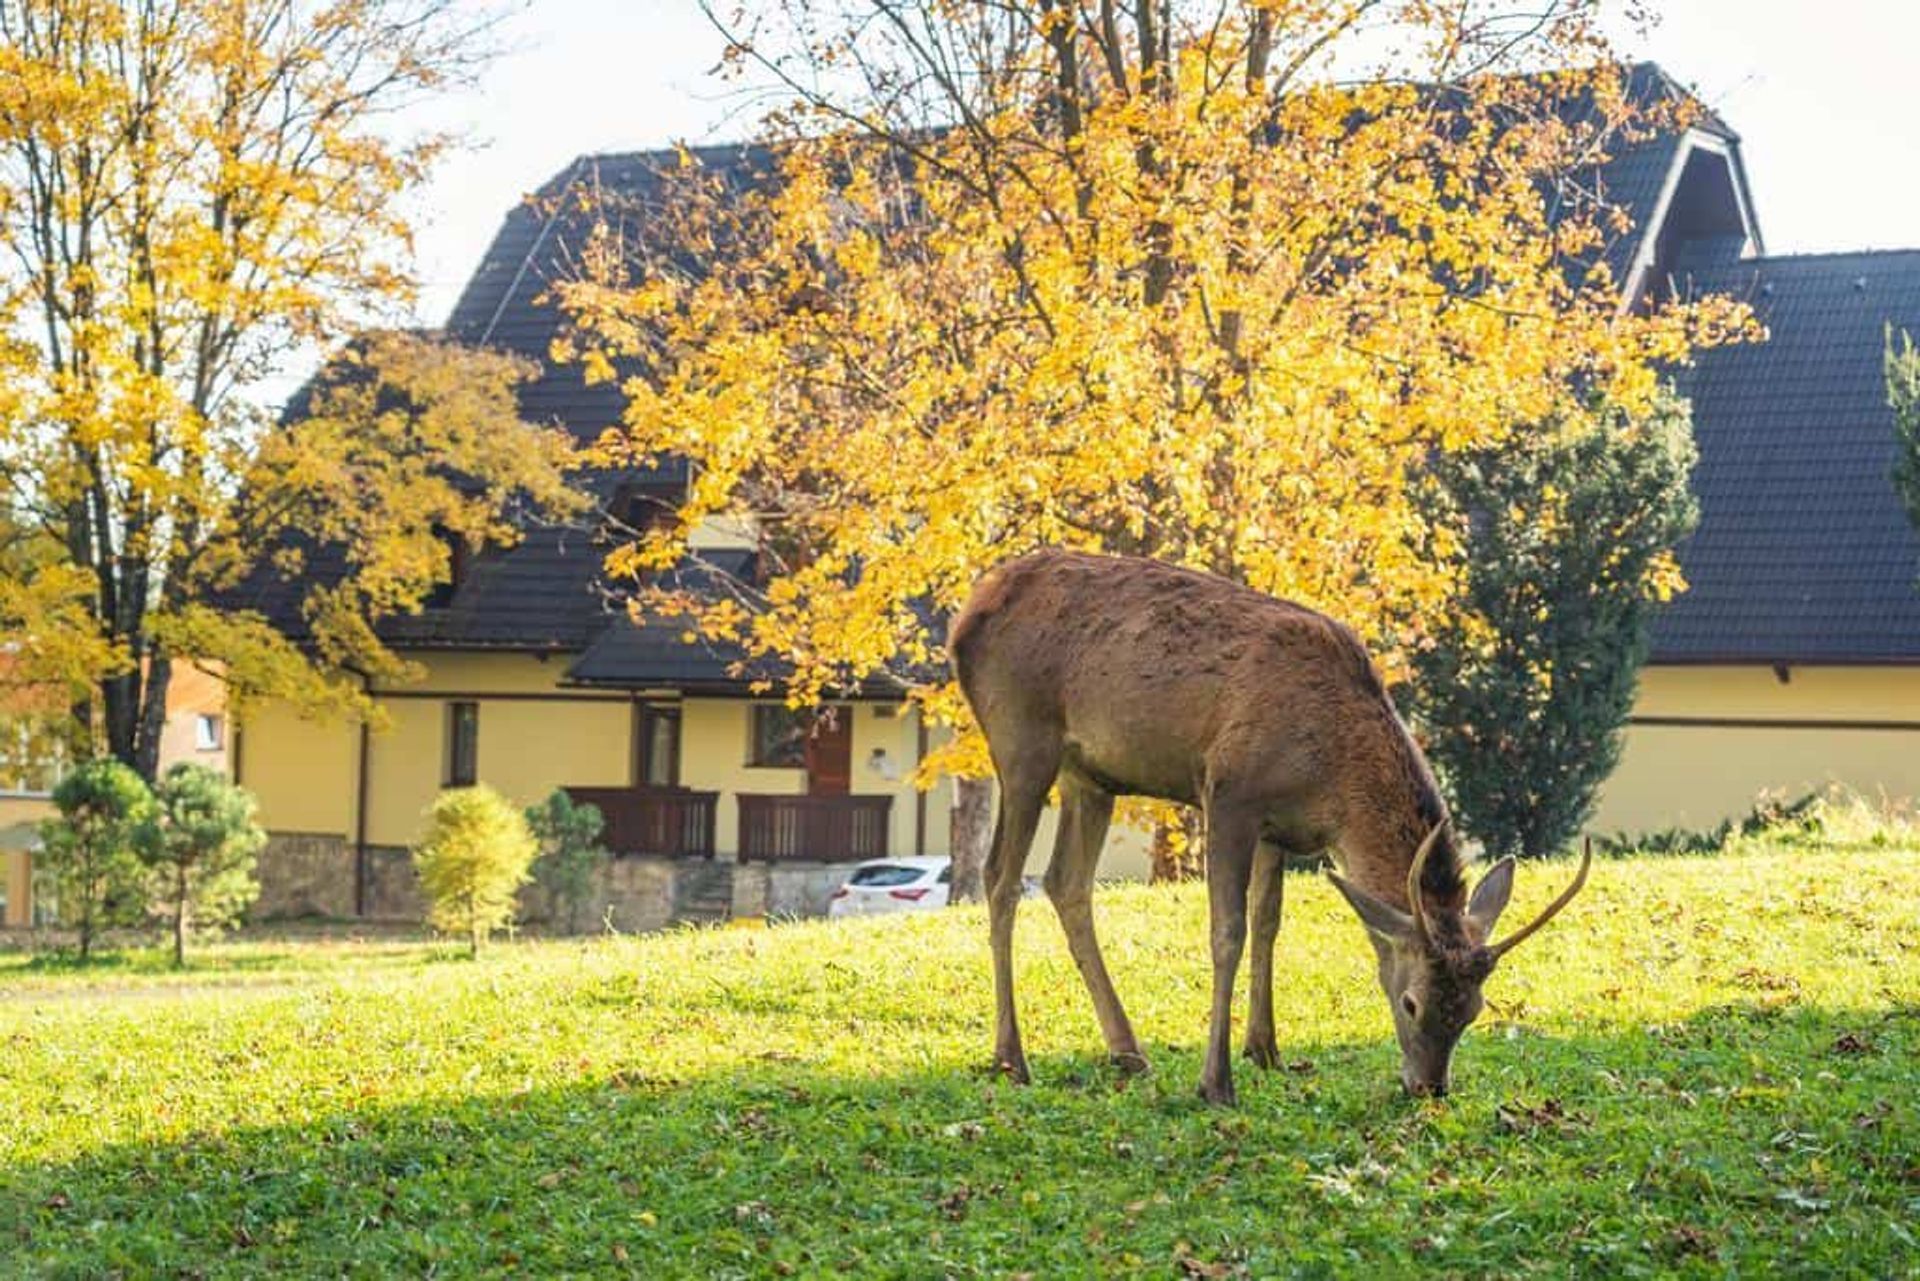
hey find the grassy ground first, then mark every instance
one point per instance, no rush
(1707, 1067)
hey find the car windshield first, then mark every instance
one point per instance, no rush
(888, 874)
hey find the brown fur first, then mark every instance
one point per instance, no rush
(1116, 676)
(1085, 632)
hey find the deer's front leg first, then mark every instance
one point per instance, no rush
(1232, 832)
(1268, 882)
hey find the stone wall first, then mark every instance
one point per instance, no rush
(393, 887)
(309, 874)
(785, 889)
(632, 894)
(304, 874)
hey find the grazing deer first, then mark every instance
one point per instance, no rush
(1120, 677)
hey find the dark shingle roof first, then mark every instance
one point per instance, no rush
(1803, 552)
(542, 593)
(659, 653)
(667, 652)
(506, 304)
(546, 591)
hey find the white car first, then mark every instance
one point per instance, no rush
(879, 885)
(906, 884)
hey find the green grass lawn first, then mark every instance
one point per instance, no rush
(1705, 1067)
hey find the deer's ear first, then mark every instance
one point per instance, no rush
(1390, 923)
(1490, 896)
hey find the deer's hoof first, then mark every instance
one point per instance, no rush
(1220, 1095)
(1130, 1064)
(1013, 1069)
(1263, 1053)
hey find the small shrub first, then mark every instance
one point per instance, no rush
(203, 860)
(92, 851)
(472, 862)
(1835, 818)
(568, 836)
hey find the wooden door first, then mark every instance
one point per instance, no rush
(830, 753)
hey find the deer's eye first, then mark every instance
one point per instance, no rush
(1411, 1004)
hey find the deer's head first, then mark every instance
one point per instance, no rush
(1432, 969)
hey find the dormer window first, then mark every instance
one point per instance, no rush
(637, 509)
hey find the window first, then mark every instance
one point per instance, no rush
(635, 510)
(886, 875)
(463, 744)
(207, 732)
(659, 736)
(779, 736)
(32, 756)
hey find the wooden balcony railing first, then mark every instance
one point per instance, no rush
(829, 829)
(670, 821)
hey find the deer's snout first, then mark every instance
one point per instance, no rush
(1422, 1088)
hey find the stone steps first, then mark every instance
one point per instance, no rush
(703, 892)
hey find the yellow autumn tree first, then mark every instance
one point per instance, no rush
(191, 193)
(1203, 282)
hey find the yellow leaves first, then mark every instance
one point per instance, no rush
(258, 664)
(1664, 580)
(1210, 325)
(413, 448)
(189, 190)
(45, 615)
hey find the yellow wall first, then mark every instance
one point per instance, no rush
(1669, 776)
(725, 533)
(19, 815)
(713, 758)
(1693, 776)
(469, 672)
(306, 773)
(882, 726)
(302, 771)
(714, 749)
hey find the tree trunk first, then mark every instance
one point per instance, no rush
(153, 716)
(969, 836)
(1177, 848)
(86, 919)
(180, 921)
(135, 706)
(120, 704)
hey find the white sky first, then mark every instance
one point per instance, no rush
(1820, 91)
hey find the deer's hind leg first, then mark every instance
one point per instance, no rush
(1085, 812)
(1024, 777)
(1269, 865)
(1233, 831)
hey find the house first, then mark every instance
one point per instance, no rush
(727, 801)
(195, 730)
(1791, 660)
